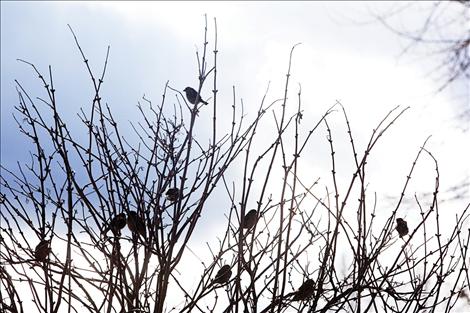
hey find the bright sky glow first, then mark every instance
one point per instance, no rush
(341, 58)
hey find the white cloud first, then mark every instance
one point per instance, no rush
(155, 41)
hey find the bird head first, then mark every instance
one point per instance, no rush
(224, 268)
(399, 220)
(250, 219)
(252, 213)
(44, 243)
(172, 194)
(309, 282)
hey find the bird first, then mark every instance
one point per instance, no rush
(402, 227)
(136, 224)
(223, 275)
(117, 223)
(305, 291)
(42, 250)
(250, 219)
(172, 194)
(193, 96)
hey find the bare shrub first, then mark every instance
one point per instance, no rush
(100, 223)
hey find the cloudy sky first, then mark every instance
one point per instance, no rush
(345, 55)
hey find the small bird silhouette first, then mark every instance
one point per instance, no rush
(402, 227)
(305, 291)
(223, 275)
(192, 96)
(250, 219)
(117, 223)
(42, 250)
(173, 194)
(136, 224)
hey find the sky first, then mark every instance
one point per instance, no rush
(345, 55)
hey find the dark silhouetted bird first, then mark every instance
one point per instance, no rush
(192, 96)
(250, 219)
(117, 223)
(136, 224)
(223, 275)
(402, 227)
(305, 291)
(173, 194)
(42, 250)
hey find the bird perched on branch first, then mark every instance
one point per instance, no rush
(193, 96)
(173, 194)
(42, 250)
(402, 227)
(250, 219)
(136, 224)
(223, 275)
(117, 223)
(305, 291)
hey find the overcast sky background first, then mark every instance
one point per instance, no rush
(344, 56)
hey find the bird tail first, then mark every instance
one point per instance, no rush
(205, 102)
